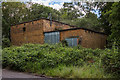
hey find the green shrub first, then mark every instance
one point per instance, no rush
(64, 43)
(5, 43)
(111, 60)
(41, 58)
(46, 55)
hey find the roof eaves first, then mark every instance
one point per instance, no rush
(76, 29)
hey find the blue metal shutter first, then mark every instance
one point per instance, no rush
(46, 38)
(71, 41)
(52, 37)
(74, 41)
(57, 37)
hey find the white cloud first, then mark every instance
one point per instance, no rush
(61, 0)
(44, 2)
(57, 6)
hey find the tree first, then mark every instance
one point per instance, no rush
(110, 17)
(90, 22)
(104, 18)
(13, 13)
(114, 20)
(41, 11)
(17, 12)
(69, 11)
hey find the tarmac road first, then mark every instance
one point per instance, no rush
(14, 74)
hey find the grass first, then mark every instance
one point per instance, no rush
(85, 71)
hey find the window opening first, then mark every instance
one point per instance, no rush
(24, 29)
(71, 41)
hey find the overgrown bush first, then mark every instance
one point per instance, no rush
(36, 57)
(47, 55)
(111, 60)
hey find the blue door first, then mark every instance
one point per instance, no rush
(71, 41)
(52, 37)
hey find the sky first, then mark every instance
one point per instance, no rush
(56, 4)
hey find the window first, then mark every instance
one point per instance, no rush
(24, 29)
(52, 37)
(71, 41)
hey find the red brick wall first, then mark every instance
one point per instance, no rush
(89, 39)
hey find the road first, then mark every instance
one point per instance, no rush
(14, 74)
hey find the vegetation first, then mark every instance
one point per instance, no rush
(6, 43)
(110, 20)
(70, 62)
(74, 62)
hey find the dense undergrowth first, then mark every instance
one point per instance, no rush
(59, 61)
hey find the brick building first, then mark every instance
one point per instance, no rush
(45, 31)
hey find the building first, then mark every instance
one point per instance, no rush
(45, 31)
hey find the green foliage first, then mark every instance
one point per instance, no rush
(12, 14)
(111, 60)
(69, 11)
(64, 43)
(72, 13)
(104, 18)
(46, 55)
(41, 11)
(114, 19)
(110, 19)
(5, 43)
(42, 58)
(90, 21)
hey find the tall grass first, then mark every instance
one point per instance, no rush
(86, 71)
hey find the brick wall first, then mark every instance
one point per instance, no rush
(32, 34)
(54, 26)
(88, 39)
